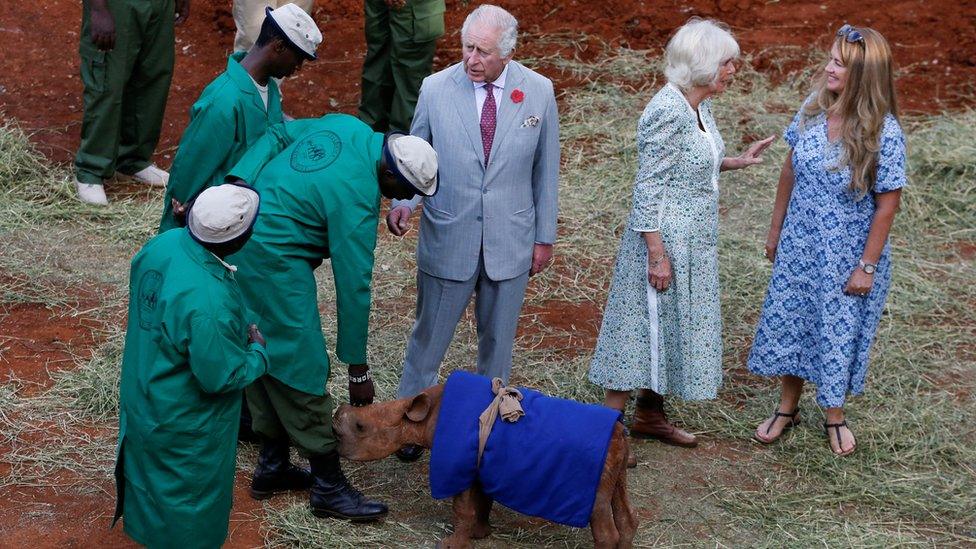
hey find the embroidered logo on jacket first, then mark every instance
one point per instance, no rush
(149, 286)
(316, 151)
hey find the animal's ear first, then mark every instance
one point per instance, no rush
(419, 408)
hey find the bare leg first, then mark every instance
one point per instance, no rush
(789, 398)
(616, 399)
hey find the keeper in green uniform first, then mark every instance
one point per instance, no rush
(126, 50)
(188, 354)
(401, 36)
(320, 182)
(238, 106)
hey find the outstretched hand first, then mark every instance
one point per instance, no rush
(751, 156)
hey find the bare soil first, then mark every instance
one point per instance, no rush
(35, 340)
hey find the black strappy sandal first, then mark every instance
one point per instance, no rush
(840, 444)
(794, 421)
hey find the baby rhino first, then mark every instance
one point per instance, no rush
(552, 458)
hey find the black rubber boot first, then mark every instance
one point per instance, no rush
(332, 495)
(275, 474)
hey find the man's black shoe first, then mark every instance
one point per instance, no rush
(410, 452)
(275, 474)
(332, 495)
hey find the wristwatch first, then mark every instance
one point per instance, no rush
(868, 268)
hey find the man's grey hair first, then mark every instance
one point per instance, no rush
(697, 51)
(495, 17)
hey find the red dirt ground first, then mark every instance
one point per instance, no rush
(934, 43)
(35, 341)
(44, 517)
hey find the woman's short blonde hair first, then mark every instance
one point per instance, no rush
(697, 51)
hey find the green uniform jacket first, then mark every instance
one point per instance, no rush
(227, 119)
(185, 363)
(319, 199)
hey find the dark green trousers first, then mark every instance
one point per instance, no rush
(400, 48)
(125, 88)
(279, 411)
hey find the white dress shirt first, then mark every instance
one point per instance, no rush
(497, 91)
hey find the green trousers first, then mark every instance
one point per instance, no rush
(279, 411)
(399, 55)
(125, 88)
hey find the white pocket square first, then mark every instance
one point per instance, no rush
(530, 122)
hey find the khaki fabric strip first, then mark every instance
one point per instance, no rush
(506, 403)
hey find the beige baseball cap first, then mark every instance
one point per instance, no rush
(222, 213)
(298, 27)
(414, 162)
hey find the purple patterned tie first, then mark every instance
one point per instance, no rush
(488, 113)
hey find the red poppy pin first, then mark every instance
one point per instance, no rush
(517, 96)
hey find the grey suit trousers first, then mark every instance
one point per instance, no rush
(440, 303)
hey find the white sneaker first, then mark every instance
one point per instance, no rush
(152, 175)
(91, 194)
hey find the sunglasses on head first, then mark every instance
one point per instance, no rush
(850, 34)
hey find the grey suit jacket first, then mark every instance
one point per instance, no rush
(503, 208)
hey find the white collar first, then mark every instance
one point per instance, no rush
(498, 83)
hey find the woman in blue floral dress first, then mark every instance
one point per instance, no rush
(662, 326)
(837, 197)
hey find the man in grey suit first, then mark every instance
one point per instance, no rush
(492, 224)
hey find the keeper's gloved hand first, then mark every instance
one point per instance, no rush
(361, 390)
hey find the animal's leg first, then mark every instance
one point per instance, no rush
(465, 517)
(604, 531)
(623, 515)
(482, 527)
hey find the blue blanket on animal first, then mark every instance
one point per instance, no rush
(547, 464)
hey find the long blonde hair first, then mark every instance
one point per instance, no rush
(867, 97)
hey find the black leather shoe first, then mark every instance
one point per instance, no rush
(410, 452)
(275, 474)
(332, 495)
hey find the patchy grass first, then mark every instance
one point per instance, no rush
(911, 482)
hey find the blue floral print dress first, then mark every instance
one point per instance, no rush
(809, 327)
(670, 341)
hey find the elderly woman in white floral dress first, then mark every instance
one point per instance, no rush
(662, 325)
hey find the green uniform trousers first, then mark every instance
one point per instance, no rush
(125, 88)
(399, 55)
(279, 411)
